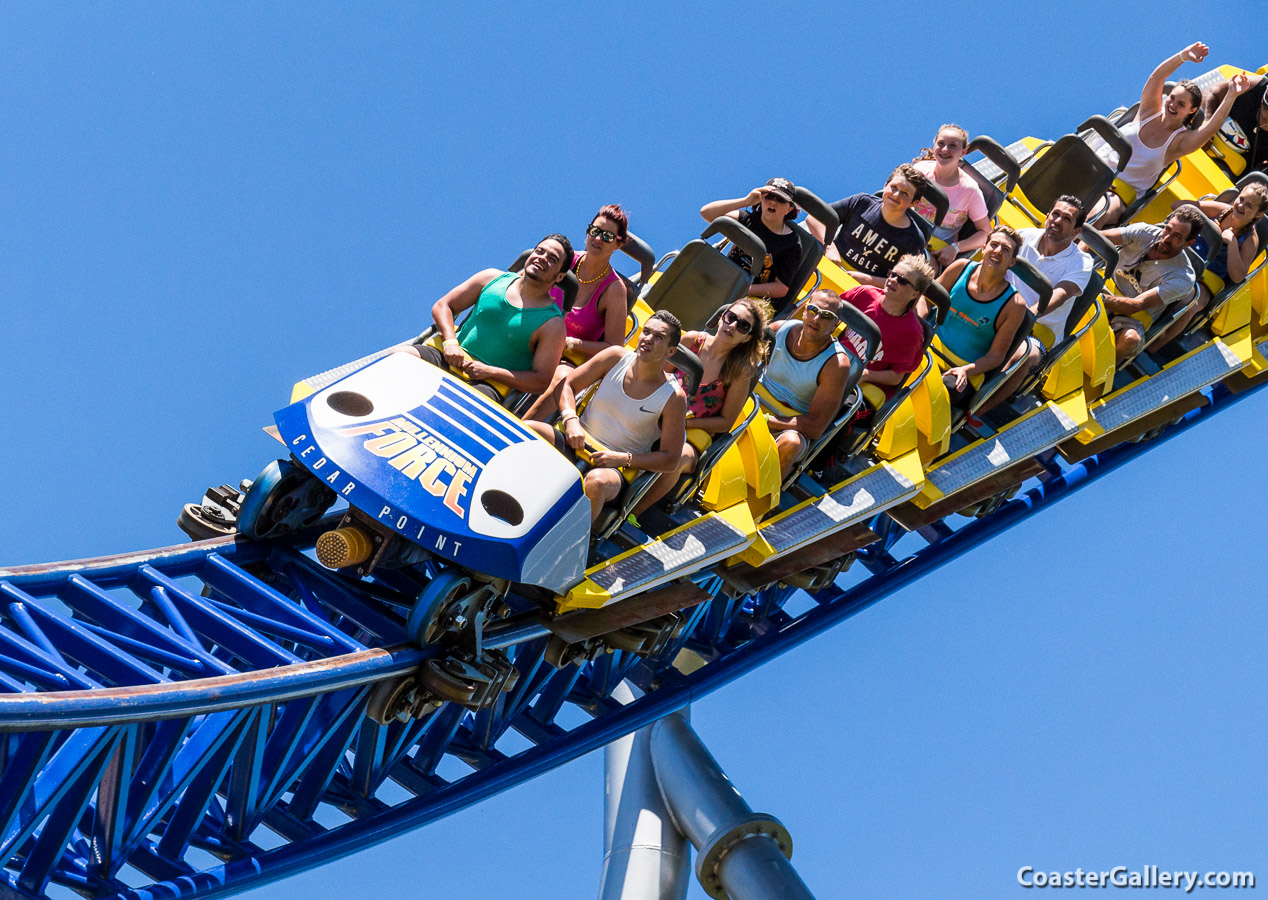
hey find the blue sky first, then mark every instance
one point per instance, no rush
(204, 203)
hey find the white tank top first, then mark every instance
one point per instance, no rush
(1147, 162)
(618, 421)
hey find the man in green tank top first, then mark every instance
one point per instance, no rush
(515, 334)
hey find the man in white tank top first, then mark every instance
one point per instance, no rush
(635, 405)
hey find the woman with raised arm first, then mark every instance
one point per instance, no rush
(598, 315)
(1238, 249)
(965, 202)
(731, 357)
(1160, 133)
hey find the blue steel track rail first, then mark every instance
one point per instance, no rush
(191, 722)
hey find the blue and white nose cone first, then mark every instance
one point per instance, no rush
(432, 460)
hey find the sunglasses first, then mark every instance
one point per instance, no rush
(825, 314)
(606, 236)
(901, 280)
(743, 326)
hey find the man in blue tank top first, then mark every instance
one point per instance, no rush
(802, 387)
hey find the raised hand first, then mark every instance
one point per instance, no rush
(1195, 52)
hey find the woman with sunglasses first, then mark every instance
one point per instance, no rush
(731, 356)
(1239, 246)
(597, 318)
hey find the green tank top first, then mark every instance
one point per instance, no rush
(500, 334)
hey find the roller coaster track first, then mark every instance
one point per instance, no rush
(192, 721)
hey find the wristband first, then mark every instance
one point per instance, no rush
(570, 414)
(452, 342)
(629, 460)
(955, 247)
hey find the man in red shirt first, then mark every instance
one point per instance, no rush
(902, 337)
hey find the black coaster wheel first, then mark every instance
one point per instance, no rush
(285, 498)
(201, 521)
(454, 680)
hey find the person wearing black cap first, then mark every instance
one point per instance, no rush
(770, 208)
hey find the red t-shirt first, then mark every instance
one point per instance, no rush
(902, 338)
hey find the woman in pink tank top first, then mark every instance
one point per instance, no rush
(598, 314)
(1160, 133)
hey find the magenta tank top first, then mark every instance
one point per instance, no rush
(586, 323)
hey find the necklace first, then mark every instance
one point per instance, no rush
(606, 270)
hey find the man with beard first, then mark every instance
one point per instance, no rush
(1152, 274)
(515, 333)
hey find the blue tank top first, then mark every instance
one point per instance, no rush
(793, 381)
(970, 326)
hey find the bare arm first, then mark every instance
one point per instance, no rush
(1062, 293)
(889, 377)
(1151, 95)
(711, 211)
(1125, 306)
(975, 241)
(1189, 141)
(548, 347)
(772, 290)
(457, 299)
(824, 405)
(1010, 321)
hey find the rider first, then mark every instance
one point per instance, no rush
(597, 317)
(1055, 253)
(515, 333)
(876, 232)
(1239, 246)
(770, 208)
(1159, 134)
(1153, 273)
(965, 203)
(731, 357)
(803, 384)
(902, 335)
(985, 314)
(635, 405)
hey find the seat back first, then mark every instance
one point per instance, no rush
(937, 197)
(640, 251)
(692, 368)
(701, 277)
(1028, 275)
(1071, 166)
(862, 338)
(992, 193)
(940, 297)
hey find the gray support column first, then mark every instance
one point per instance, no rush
(742, 855)
(644, 855)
